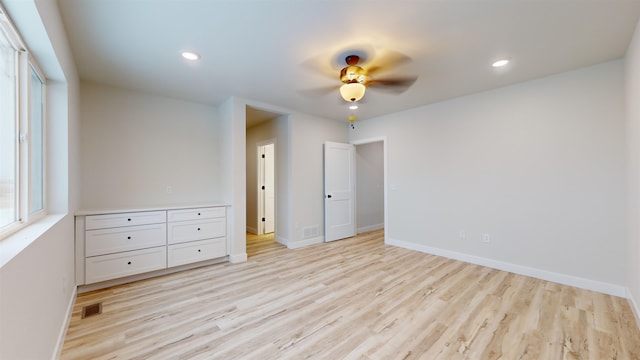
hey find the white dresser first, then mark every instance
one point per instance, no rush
(195, 235)
(122, 245)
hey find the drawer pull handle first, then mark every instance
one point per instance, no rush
(128, 219)
(128, 237)
(198, 214)
(129, 263)
(198, 229)
(198, 250)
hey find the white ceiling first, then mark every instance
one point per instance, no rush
(271, 51)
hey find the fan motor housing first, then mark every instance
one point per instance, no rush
(353, 73)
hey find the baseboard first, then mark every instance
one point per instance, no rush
(634, 307)
(251, 230)
(370, 228)
(65, 325)
(602, 287)
(238, 258)
(281, 240)
(305, 242)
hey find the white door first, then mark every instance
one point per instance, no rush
(339, 191)
(266, 189)
(269, 192)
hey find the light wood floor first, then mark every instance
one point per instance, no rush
(350, 299)
(262, 245)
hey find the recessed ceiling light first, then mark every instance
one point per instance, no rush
(190, 55)
(500, 63)
(353, 107)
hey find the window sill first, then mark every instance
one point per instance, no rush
(15, 243)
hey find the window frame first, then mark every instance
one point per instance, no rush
(25, 154)
(26, 65)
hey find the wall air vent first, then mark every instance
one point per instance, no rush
(309, 232)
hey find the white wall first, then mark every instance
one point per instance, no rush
(36, 285)
(632, 62)
(134, 145)
(370, 186)
(36, 294)
(539, 166)
(283, 179)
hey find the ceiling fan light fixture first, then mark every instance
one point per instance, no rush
(352, 92)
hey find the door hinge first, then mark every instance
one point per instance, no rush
(264, 219)
(262, 187)
(263, 156)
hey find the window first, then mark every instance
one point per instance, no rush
(22, 129)
(8, 132)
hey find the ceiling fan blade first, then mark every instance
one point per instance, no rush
(394, 85)
(321, 91)
(385, 61)
(319, 67)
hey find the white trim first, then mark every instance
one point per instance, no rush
(237, 258)
(368, 140)
(12, 31)
(305, 242)
(634, 307)
(370, 228)
(602, 287)
(65, 325)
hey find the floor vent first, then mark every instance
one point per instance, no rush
(309, 232)
(90, 310)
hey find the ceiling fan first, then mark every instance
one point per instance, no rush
(356, 77)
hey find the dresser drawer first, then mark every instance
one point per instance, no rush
(107, 267)
(107, 241)
(185, 231)
(185, 253)
(124, 219)
(196, 214)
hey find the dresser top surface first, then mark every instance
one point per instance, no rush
(84, 212)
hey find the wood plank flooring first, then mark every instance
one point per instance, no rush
(350, 299)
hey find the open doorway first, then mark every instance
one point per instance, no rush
(355, 204)
(262, 133)
(370, 185)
